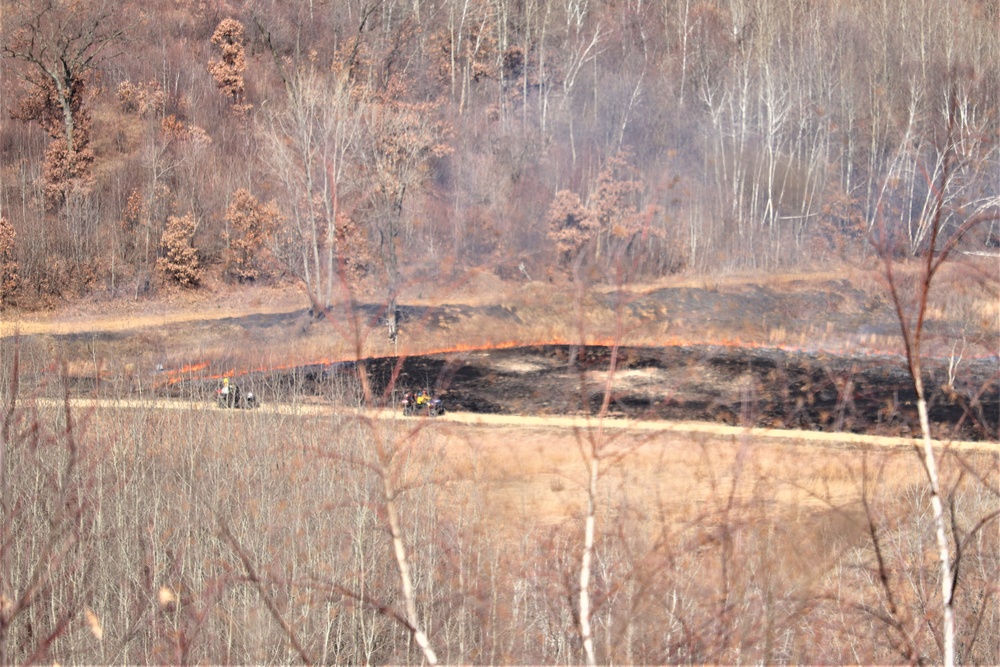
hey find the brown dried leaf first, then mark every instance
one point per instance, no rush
(94, 624)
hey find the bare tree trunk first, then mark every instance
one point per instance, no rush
(912, 329)
(937, 507)
(586, 634)
(402, 564)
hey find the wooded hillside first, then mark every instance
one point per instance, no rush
(147, 143)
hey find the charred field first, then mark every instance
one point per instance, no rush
(815, 355)
(738, 386)
(761, 387)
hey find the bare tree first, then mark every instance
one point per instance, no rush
(911, 300)
(401, 140)
(313, 141)
(62, 44)
(55, 514)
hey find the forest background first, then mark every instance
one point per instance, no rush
(157, 143)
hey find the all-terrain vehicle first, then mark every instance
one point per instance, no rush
(422, 404)
(231, 395)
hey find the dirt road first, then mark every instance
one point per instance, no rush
(562, 423)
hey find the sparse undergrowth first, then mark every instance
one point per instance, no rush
(708, 551)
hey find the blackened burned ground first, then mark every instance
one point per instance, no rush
(758, 387)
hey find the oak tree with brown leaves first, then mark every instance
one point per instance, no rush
(141, 98)
(62, 45)
(571, 225)
(228, 72)
(9, 278)
(252, 224)
(180, 262)
(614, 202)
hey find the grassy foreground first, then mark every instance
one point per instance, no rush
(208, 535)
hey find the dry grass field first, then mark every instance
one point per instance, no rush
(145, 530)
(199, 527)
(842, 311)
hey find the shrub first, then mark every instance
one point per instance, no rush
(9, 278)
(252, 225)
(179, 262)
(228, 72)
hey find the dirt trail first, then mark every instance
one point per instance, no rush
(61, 324)
(562, 423)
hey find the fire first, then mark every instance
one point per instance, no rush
(190, 368)
(177, 374)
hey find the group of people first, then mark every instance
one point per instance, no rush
(420, 400)
(422, 403)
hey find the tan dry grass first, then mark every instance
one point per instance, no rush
(532, 469)
(795, 508)
(176, 308)
(536, 475)
(551, 305)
